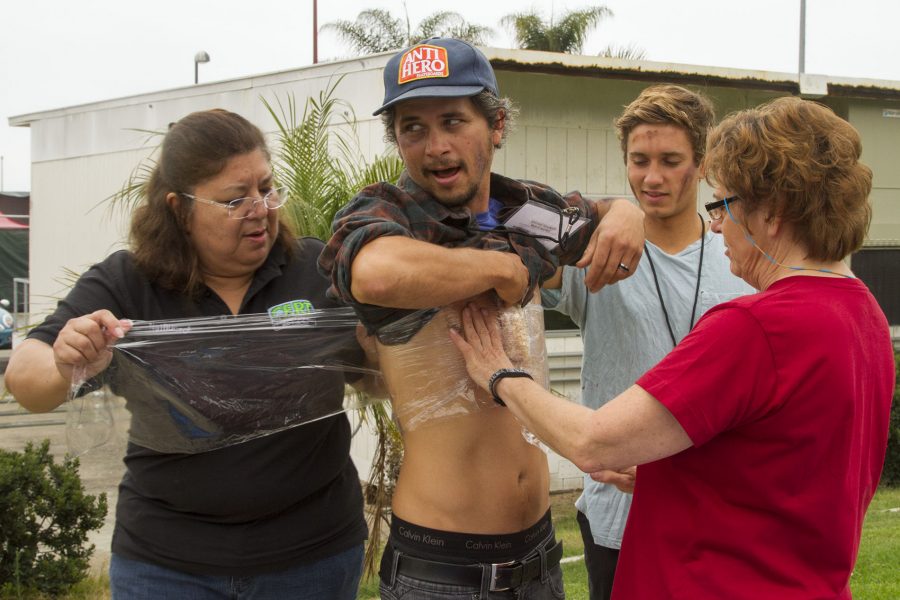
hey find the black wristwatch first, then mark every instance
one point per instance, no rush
(502, 374)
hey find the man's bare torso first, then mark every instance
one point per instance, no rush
(467, 466)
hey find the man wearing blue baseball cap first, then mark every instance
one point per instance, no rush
(470, 513)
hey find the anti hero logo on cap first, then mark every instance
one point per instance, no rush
(423, 62)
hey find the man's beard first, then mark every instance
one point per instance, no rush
(459, 200)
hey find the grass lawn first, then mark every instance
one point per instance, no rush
(877, 572)
(876, 577)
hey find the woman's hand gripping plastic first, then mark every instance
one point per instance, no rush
(84, 343)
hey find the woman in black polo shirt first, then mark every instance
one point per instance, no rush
(275, 517)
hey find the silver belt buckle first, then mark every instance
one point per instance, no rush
(494, 566)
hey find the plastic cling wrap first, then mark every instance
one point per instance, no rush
(426, 377)
(194, 385)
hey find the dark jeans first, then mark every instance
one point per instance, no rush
(599, 560)
(407, 588)
(332, 578)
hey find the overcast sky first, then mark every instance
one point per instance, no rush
(58, 53)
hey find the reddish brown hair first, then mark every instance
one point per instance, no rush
(799, 161)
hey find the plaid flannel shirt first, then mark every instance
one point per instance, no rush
(406, 209)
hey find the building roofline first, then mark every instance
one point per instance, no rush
(530, 61)
(325, 70)
(643, 70)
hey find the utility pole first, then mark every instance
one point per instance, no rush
(802, 67)
(315, 31)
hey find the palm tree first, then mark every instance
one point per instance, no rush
(568, 35)
(376, 30)
(318, 158)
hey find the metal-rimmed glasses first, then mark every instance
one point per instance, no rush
(240, 208)
(717, 209)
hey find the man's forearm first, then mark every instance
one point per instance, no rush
(400, 272)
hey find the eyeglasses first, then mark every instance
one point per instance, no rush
(717, 209)
(240, 208)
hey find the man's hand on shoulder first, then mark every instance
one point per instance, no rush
(616, 246)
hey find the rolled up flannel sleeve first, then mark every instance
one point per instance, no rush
(540, 261)
(364, 219)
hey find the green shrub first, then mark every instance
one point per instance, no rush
(891, 473)
(45, 516)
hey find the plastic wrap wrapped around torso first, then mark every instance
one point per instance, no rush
(426, 376)
(467, 465)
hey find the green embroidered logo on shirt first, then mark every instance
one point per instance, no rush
(291, 308)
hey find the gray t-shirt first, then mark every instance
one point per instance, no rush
(624, 334)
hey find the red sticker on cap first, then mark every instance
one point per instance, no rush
(423, 62)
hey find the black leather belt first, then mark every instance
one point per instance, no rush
(504, 576)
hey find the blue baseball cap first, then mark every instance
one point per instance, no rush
(437, 68)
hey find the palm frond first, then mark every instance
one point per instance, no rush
(451, 24)
(528, 29)
(304, 162)
(373, 31)
(572, 30)
(532, 32)
(630, 52)
(130, 194)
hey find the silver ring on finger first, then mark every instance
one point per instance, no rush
(624, 267)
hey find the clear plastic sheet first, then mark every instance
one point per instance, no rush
(426, 376)
(194, 385)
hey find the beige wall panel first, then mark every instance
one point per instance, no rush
(513, 155)
(498, 165)
(885, 227)
(568, 102)
(881, 140)
(557, 159)
(881, 152)
(616, 178)
(576, 160)
(596, 167)
(71, 225)
(536, 153)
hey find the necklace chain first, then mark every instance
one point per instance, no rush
(662, 302)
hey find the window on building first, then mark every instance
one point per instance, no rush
(879, 269)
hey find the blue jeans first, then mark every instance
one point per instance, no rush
(332, 578)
